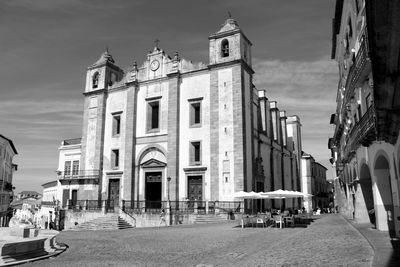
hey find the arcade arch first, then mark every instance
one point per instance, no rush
(367, 193)
(384, 206)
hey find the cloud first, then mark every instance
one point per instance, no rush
(307, 89)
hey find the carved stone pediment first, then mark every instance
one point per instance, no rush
(153, 163)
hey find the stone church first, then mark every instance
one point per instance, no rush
(171, 129)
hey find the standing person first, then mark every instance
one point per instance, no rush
(162, 218)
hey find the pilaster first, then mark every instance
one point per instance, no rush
(173, 134)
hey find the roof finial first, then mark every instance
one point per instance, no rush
(229, 14)
(156, 41)
(107, 49)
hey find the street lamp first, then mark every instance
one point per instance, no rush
(169, 180)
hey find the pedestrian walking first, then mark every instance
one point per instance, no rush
(162, 218)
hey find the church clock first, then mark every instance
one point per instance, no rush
(154, 65)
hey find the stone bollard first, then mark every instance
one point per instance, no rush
(207, 203)
(85, 207)
(195, 206)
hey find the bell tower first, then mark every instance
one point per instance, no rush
(231, 95)
(100, 76)
(229, 44)
(103, 73)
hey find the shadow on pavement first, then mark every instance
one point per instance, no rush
(394, 260)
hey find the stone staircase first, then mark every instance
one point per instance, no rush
(107, 222)
(211, 218)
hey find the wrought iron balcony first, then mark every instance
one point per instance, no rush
(360, 68)
(363, 133)
(48, 203)
(81, 174)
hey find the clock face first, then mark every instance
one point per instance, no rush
(154, 65)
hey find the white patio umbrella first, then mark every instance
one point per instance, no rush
(283, 194)
(248, 195)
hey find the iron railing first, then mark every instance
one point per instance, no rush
(361, 66)
(93, 204)
(228, 206)
(81, 174)
(155, 207)
(363, 133)
(144, 206)
(48, 203)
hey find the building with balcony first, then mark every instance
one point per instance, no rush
(7, 168)
(171, 129)
(365, 145)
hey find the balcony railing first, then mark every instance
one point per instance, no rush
(361, 67)
(363, 133)
(82, 174)
(48, 203)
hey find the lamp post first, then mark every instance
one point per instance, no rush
(169, 203)
(169, 180)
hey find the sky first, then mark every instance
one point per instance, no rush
(47, 45)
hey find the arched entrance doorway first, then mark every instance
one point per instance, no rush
(152, 178)
(384, 203)
(365, 211)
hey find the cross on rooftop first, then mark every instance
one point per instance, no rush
(156, 42)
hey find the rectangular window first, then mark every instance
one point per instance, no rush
(116, 124)
(67, 168)
(115, 158)
(75, 167)
(195, 153)
(153, 116)
(195, 114)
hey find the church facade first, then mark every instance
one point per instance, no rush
(175, 130)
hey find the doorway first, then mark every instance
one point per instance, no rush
(113, 193)
(153, 190)
(195, 188)
(74, 197)
(65, 197)
(195, 192)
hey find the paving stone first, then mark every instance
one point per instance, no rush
(328, 241)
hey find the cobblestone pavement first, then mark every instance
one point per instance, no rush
(328, 241)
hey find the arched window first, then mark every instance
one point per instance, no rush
(225, 48)
(95, 80)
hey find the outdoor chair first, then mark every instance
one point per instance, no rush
(278, 220)
(260, 220)
(290, 221)
(268, 218)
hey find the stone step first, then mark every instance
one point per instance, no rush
(209, 218)
(113, 222)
